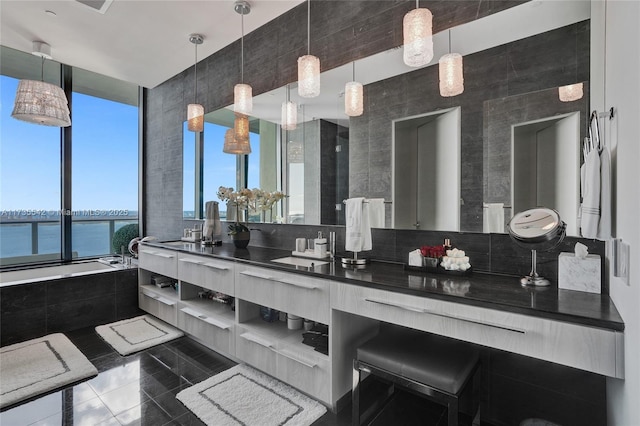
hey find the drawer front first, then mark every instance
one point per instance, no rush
(160, 261)
(587, 348)
(309, 373)
(214, 332)
(291, 293)
(158, 306)
(209, 273)
(256, 350)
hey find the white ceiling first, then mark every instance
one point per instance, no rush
(145, 42)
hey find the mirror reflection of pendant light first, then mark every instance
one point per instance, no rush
(289, 117)
(308, 67)
(242, 93)
(195, 111)
(353, 96)
(234, 144)
(417, 30)
(451, 73)
(570, 93)
(39, 102)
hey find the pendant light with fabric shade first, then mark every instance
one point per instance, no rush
(308, 66)
(195, 111)
(570, 93)
(39, 102)
(451, 73)
(242, 93)
(289, 117)
(236, 140)
(417, 30)
(353, 96)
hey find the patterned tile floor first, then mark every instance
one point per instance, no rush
(140, 389)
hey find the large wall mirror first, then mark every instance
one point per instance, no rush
(510, 109)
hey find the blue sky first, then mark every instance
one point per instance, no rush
(105, 156)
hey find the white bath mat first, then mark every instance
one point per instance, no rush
(135, 334)
(40, 365)
(242, 395)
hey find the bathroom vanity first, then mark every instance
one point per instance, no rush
(579, 330)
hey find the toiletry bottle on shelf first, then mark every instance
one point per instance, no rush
(446, 245)
(320, 245)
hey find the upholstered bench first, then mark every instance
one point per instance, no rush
(435, 367)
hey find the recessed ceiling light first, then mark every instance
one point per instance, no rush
(50, 13)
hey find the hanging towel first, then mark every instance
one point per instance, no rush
(358, 231)
(590, 208)
(604, 227)
(493, 218)
(376, 212)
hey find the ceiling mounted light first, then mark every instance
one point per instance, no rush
(353, 97)
(39, 102)
(308, 66)
(236, 140)
(195, 111)
(451, 73)
(418, 37)
(570, 93)
(242, 93)
(289, 118)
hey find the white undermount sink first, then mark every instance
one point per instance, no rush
(299, 261)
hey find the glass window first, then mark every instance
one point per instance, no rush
(104, 183)
(29, 183)
(105, 161)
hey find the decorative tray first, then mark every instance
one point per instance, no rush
(310, 254)
(437, 270)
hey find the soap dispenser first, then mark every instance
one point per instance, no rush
(320, 245)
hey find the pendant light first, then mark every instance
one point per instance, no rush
(451, 73)
(242, 93)
(353, 96)
(39, 102)
(570, 93)
(289, 117)
(234, 144)
(417, 29)
(195, 111)
(308, 66)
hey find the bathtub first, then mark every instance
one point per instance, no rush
(48, 273)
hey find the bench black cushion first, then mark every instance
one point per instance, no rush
(436, 361)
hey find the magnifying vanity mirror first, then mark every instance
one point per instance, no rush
(501, 120)
(537, 229)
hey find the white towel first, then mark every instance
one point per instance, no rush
(493, 218)
(590, 208)
(376, 212)
(358, 231)
(604, 227)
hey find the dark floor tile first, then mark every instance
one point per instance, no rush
(147, 413)
(124, 398)
(93, 346)
(168, 402)
(162, 382)
(188, 419)
(116, 377)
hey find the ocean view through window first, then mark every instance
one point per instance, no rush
(104, 178)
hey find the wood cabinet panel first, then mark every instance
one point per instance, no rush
(587, 348)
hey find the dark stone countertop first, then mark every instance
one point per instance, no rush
(492, 291)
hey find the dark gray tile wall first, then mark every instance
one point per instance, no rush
(38, 309)
(495, 253)
(341, 31)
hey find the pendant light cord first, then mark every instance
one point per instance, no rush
(308, 26)
(449, 40)
(195, 76)
(242, 49)
(417, 4)
(354, 70)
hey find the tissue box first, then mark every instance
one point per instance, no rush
(579, 274)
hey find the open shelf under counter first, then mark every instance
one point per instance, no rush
(169, 294)
(210, 309)
(279, 335)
